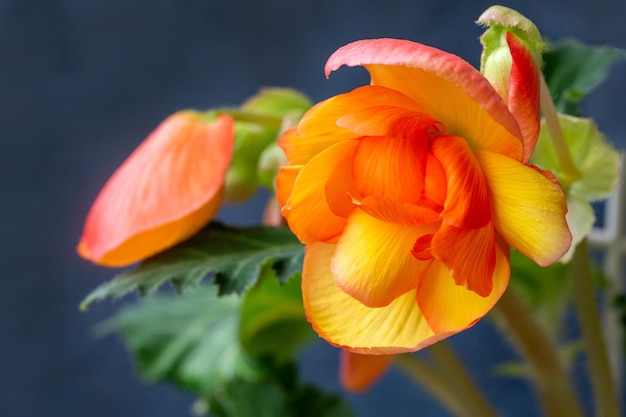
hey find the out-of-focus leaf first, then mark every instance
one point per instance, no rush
(273, 320)
(281, 397)
(567, 353)
(190, 340)
(597, 163)
(573, 69)
(235, 256)
(547, 290)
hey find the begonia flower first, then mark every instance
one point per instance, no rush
(408, 194)
(168, 188)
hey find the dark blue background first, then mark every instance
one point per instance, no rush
(82, 82)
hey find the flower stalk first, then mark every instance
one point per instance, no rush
(555, 390)
(436, 383)
(603, 384)
(460, 380)
(554, 127)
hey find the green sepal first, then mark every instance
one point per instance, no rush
(573, 69)
(233, 256)
(499, 20)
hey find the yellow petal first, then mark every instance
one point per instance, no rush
(528, 208)
(449, 307)
(345, 322)
(373, 261)
(307, 211)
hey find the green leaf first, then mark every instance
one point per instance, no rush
(279, 395)
(273, 320)
(234, 256)
(190, 340)
(572, 70)
(597, 163)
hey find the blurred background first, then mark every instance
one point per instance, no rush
(83, 82)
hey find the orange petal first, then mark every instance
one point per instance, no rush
(345, 322)
(435, 185)
(399, 213)
(284, 182)
(449, 307)
(391, 121)
(450, 89)
(523, 94)
(467, 200)
(166, 190)
(392, 168)
(469, 254)
(373, 261)
(307, 211)
(358, 372)
(528, 208)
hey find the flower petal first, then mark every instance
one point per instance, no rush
(373, 261)
(468, 105)
(307, 211)
(469, 254)
(449, 307)
(528, 207)
(318, 128)
(166, 190)
(396, 328)
(523, 95)
(391, 168)
(467, 201)
(358, 372)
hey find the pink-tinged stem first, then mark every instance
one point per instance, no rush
(554, 127)
(604, 389)
(557, 395)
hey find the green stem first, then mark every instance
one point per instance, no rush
(436, 383)
(457, 375)
(605, 392)
(554, 127)
(554, 388)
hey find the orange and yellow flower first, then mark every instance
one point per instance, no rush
(167, 189)
(409, 192)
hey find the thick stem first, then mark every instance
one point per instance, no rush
(554, 127)
(605, 392)
(434, 382)
(554, 388)
(457, 375)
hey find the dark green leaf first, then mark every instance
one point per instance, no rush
(235, 256)
(273, 320)
(573, 70)
(279, 395)
(190, 340)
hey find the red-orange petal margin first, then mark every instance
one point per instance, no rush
(167, 189)
(357, 372)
